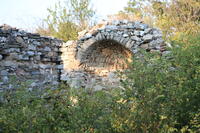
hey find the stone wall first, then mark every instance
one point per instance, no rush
(105, 49)
(28, 57)
(91, 61)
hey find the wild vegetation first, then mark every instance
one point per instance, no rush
(64, 21)
(160, 94)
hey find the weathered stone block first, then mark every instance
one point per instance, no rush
(24, 57)
(3, 73)
(1, 57)
(47, 49)
(31, 47)
(19, 40)
(135, 38)
(145, 46)
(30, 53)
(147, 38)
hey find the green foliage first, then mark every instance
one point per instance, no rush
(64, 21)
(60, 110)
(177, 16)
(82, 12)
(161, 95)
(134, 6)
(136, 10)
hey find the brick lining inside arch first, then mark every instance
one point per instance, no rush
(105, 56)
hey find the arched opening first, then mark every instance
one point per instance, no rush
(105, 56)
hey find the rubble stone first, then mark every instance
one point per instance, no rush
(107, 51)
(20, 59)
(91, 61)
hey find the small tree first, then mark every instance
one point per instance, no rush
(135, 7)
(179, 16)
(64, 22)
(136, 10)
(81, 12)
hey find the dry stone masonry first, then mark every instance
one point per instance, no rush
(105, 49)
(91, 61)
(28, 58)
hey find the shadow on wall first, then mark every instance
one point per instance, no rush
(105, 56)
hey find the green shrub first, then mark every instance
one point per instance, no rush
(60, 110)
(161, 95)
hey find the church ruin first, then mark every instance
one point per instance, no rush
(87, 62)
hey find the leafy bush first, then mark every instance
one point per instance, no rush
(161, 95)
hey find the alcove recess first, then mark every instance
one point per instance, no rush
(105, 56)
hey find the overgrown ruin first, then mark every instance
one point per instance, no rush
(91, 61)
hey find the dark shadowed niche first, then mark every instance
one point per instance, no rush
(104, 56)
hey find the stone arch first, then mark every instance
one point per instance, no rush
(106, 48)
